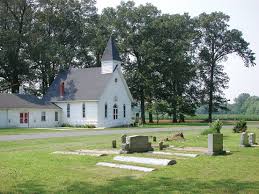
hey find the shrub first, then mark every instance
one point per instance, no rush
(66, 125)
(240, 126)
(207, 131)
(215, 127)
(78, 126)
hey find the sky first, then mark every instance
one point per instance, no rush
(244, 16)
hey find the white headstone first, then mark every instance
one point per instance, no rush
(244, 140)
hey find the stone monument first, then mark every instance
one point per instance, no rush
(251, 139)
(136, 143)
(244, 140)
(215, 144)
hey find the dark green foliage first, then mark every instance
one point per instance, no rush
(216, 42)
(240, 126)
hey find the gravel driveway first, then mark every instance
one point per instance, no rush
(97, 132)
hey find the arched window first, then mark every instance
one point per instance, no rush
(83, 110)
(68, 110)
(124, 110)
(105, 110)
(115, 111)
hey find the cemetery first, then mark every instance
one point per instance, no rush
(131, 162)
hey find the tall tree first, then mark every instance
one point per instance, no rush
(61, 37)
(217, 41)
(130, 26)
(15, 25)
(174, 36)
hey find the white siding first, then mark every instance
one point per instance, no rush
(108, 66)
(76, 114)
(114, 89)
(12, 117)
(3, 118)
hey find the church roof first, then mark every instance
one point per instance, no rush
(111, 53)
(24, 101)
(80, 84)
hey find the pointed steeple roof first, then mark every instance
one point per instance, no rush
(111, 53)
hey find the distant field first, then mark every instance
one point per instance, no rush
(225, 117)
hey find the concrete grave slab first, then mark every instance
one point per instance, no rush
(141, 160)
(123, 166)
(191, 149)
(78, 153)
(107, 152)
(175, 154)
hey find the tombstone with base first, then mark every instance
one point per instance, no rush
(136, 143)
(215, 144)
(251, 139)
(244, 140)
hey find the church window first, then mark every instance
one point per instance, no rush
(115, 111)
(124, 110)
(56, 116)
(105, 110)
(83, 110)
(68, 110)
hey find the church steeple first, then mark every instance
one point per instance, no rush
(111, 58)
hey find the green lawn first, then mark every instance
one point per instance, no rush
(29, 167)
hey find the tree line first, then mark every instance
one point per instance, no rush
(243, 104)
(171, 62)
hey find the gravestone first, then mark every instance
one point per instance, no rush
(215, 144)
(161, 145)
(251, 139)
(114, 144)
(136, 143)
(123, 138)
(244, 140)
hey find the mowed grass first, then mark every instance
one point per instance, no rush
(30, 167)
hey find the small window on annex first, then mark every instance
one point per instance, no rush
(43, 116)
(115, 111)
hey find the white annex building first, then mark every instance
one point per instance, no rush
(95, 96)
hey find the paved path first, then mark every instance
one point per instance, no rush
(98, 132)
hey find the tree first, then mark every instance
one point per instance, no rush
(61, 38)
(217, 41)
(173, 37)
(130, 27)
(239, 102)
(16, 18)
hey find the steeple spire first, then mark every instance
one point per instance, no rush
(111, 59)
(111, 52)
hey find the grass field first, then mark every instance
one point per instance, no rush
(29, 167)
(232, 117)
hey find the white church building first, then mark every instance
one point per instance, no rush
(93, 96)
